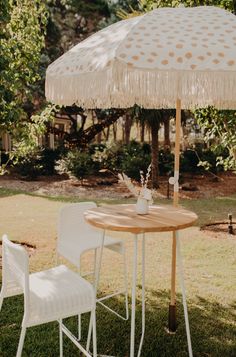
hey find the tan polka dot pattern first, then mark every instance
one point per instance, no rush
(178, 39)
(150, 60)
(183, 39)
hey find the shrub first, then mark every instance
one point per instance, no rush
(4, 157)
(39, 163)
(48, 160)
(135, 157)
(199, 160)
(166, 162)
(189, 162)
(29, 166)
(77, 163)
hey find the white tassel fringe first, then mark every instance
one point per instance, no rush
(122, 86)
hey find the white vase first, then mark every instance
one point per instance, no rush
(141, 206)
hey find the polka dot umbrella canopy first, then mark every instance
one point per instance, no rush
(151, 60)
(169, 57)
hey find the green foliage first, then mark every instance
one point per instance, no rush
(26, 133)
(40, 162)
(48, 159)
(89, 7)
(4, 13)
(22, 31)
(166, 162)
(76, 163)
(29, 166)
(116, 158)
(108, 156)
(143, 6)
(220, 131)
(199, 159)
(21, 44)
(135, 157)
(147, 5)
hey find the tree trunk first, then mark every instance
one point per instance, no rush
(128, 125)
(142, 131)
(108, 133)
(155, 151)
(167, 133)
(184, 137)
(114, 126)
(99, 135)
(149, 136)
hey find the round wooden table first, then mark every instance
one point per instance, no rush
(160, 218)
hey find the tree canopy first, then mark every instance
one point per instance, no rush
(22, 33)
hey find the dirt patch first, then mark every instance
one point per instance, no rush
(103, 187)
(219, 230)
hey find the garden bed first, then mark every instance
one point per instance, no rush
(105, 186)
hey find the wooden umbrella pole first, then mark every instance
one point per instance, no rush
(177, 151)
(172, 307)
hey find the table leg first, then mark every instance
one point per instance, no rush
(181, 276)
(143, 295)
(172, 306)
(134, 281)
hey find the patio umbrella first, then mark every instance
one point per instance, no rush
(169, 57)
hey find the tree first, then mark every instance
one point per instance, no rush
(220, 131)
(127, 125)
(81, 136)
(22, 34)
(153, 119)
(148, 5)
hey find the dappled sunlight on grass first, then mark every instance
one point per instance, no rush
(210, 275)
(212, 325)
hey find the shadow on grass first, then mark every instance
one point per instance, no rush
(213, 330)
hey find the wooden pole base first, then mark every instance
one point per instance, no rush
(172, 318)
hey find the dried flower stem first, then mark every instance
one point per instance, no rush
(144, 192)
(148, 175)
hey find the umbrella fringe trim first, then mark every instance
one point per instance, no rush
(121, 85)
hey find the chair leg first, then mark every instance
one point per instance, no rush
(95, 266)
(21, 341)
(181, 276)
(79, 327)
(125, 284)
(124, 291)
(61, 338)
(89, 332)
(94, 333)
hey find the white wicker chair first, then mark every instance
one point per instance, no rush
(49, 295)
(76, 236)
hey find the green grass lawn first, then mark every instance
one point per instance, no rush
(210, 276)
(208, 210)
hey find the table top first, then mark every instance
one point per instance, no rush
(160, 218)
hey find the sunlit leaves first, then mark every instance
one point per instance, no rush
(220, 132)
(21, 43)
(148, 5)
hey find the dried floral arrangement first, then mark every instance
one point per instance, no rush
(144, 192)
